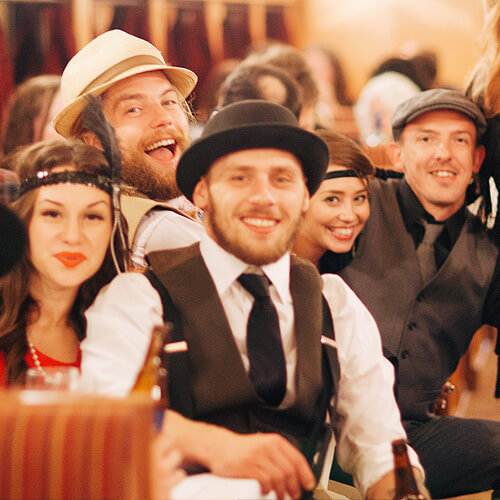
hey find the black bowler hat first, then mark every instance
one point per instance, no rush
(252, 124)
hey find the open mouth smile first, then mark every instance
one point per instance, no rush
(342, 233)
(443, 173)
(259, 223)
(162, 150)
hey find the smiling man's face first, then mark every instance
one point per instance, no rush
(253, 201)
(439, 155)
(152, 128)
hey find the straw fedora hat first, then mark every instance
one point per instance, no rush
(252, 124)
(105, 60)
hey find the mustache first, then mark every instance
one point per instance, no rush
(267, 214)
(181, 139)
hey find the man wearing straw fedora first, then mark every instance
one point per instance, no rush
(249, 398)
(145, 100)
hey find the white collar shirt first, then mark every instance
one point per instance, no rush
(163, 230)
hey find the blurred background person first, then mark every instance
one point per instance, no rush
(261, 81)
(30, 112)
(334, 107)
(208, 95)
(294, 62)
(392, 82)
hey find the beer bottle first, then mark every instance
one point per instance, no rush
(406, 486)
(152, 377)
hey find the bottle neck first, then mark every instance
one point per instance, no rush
(406, 486)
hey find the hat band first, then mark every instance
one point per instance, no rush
(120, 68)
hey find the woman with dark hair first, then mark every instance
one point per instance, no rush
(340, 207)
(65, 203)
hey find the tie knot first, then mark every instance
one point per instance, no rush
(431, 232)
(256, 284)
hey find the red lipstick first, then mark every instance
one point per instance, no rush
(70, 259)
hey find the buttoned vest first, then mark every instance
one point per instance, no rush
(427, 326)
(221, 391)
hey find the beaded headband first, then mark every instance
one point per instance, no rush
(335, 174)
(44, 178)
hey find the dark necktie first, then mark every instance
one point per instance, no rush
(425, 251)
(265, 350)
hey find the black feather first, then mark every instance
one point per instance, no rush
(94, 121)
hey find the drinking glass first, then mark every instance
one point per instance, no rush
(53, 378)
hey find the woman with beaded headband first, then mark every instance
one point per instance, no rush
(340, 207)
(66, 206)
(66, 200)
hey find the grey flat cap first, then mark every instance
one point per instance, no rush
(432, 100)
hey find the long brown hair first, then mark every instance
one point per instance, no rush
(15, 300)
(484, 86)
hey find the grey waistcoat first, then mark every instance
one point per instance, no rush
(427, 326)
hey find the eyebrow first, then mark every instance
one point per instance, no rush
(336, 191)
(59, 204)
(251, 168)
(139, 95)
(433, 131)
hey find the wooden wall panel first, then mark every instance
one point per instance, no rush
(363, 32)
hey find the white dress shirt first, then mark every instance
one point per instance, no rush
(120, 322)
(163, 230)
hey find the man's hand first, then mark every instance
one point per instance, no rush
(165, 470)
(268, 458)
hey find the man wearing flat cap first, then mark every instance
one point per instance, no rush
(428, 272)
(143, 98)
(264, 358)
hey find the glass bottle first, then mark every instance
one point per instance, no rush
(406, 486)
(152, 378)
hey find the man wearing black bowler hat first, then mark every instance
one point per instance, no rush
(264, 357)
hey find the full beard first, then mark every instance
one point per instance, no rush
(149, 180)
(257, 255)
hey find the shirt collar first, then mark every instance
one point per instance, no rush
(225, 268)
(413, 212)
